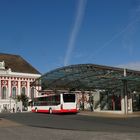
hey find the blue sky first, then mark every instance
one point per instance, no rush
(55, 33)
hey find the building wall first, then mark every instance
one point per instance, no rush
(13, 82)
(102, 101)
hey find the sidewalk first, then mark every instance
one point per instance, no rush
(8, 123)
(109, 115)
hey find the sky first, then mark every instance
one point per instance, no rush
(54, 33)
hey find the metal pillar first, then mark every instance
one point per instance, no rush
(125, 94)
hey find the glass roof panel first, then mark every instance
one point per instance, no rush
(88, 76)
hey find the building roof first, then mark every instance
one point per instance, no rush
(17, 64)
(88, 77)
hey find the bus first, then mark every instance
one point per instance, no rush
(55, 103)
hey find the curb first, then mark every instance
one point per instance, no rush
(108, 115)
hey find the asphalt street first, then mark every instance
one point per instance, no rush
(76, 122)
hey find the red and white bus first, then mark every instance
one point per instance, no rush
(55, 103)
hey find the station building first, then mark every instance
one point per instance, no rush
(16, 75)
(98, 88)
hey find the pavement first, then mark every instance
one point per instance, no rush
(109, 114)
(8, 123)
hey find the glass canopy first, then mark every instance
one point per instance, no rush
(89, 77)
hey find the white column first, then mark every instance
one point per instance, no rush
(28, 88)
(122, 102)
(126, 105)
(122, 106)
(9, 87)
(19, 87)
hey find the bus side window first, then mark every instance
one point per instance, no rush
(57, 99)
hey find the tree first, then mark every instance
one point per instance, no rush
(24, 99)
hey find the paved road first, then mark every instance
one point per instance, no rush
(67, 127)
(77, 122)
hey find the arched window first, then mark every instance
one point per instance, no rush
(23, 91)
(14, 92)
(32, 93)
(4, 92)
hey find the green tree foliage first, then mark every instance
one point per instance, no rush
(24, 99)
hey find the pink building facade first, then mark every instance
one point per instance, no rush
(15, 81)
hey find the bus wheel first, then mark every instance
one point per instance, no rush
(50, 111)
(35, 109)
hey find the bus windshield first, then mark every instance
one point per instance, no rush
(69, 98)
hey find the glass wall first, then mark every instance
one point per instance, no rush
(110, 101)
(136, 101)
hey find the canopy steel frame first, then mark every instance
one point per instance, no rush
(88, 76)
